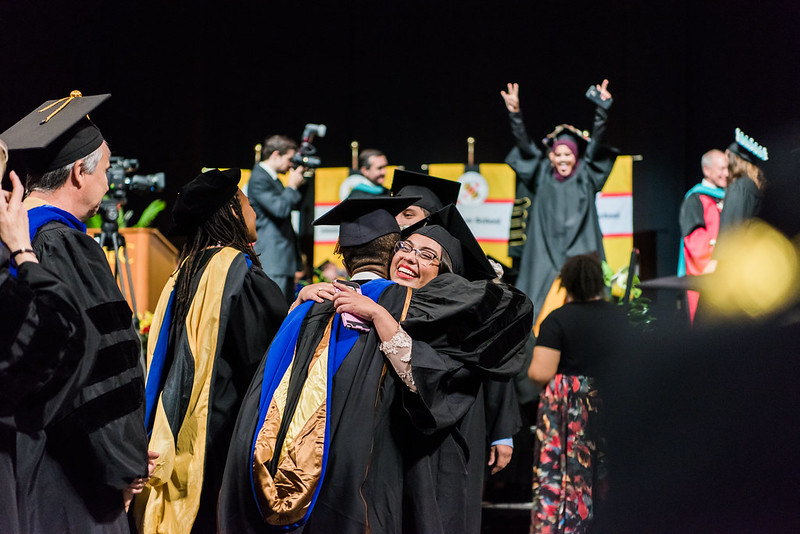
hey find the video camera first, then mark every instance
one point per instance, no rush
(121, 180)
(306, 155)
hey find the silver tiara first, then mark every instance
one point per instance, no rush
(749, 144)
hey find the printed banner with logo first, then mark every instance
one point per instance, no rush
(486, 202)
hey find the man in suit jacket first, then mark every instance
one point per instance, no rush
(273, 203)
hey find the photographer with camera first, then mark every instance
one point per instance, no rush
(277, 244)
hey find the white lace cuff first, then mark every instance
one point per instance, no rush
(398, 352)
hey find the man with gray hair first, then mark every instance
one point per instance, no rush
(699, 219)
(81, 471)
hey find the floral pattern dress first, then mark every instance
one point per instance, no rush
(567, 456)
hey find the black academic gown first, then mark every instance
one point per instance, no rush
(376, 447)
(742, 201)
(97, 445)
(444, 455)
(361, 395)
(241, 309)
(41, 335)
(563, 215)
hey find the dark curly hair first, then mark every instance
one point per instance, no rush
(582, 277)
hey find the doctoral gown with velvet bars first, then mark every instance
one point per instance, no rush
(383, 438)
(41, 340)
(96, 444)
(198, 371)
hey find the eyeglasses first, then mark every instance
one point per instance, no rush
(426, 257)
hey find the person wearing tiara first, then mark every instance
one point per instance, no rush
(746, 180)
(562, 182)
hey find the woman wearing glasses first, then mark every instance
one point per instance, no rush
(445, 266)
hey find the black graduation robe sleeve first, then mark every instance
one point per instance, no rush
(691, 215)
(103, 424)
(255, 316)
(463, 332)
(502, 410)
(742, 201)
(525, 157)
(599, 157)
(41, 335)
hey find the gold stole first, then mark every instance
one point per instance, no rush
(284, 499)
(170, 501)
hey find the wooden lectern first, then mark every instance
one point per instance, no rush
(152, 259)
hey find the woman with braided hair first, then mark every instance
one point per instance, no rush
(214, 321)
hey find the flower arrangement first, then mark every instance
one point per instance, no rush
(145, 320)
(638, 306)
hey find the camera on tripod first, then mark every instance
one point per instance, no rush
(306, 155)
(121, 180)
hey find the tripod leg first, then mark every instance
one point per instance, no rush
(118, 265)
(130, 286)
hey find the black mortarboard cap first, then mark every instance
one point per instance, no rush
(435, 192)
(361, 220)
(202, 197)
(56, 133)
(472, 264)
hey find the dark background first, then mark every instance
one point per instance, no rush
(200, 83)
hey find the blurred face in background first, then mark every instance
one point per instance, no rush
(376, 172)
(717, 172)
(563, 160)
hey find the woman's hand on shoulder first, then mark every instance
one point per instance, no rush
(348, 300)
(319, 292)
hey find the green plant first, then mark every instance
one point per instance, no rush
(638, 307)
(124, 219)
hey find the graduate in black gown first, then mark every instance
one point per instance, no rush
(562, 186)
(746, 181)
(380, 432)
(41, 334)
(94, 457)
(214, 321)
(326, 380)
(444, 449)
(498, 401)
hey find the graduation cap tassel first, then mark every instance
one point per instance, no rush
(73, 95)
